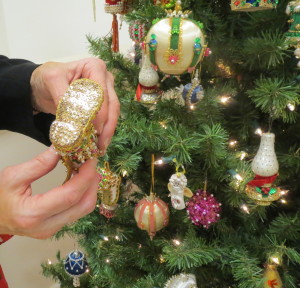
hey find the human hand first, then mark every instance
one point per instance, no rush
(40, 216)
(50, 81)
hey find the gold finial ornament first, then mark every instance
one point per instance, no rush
(72, 133)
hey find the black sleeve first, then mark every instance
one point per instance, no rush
(15, 101)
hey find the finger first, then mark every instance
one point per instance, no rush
(65, 196)
(95, 69)
(113, 115)
(85, 206)
(28, 172)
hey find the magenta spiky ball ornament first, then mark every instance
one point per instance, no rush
(203, 209)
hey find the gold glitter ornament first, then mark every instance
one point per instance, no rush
(108, 190)
(72, 133)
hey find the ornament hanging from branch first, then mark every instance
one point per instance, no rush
(151, 213)
(176, 44)
(115, 7)
(177, 187)
(75, 265)
(203, 209)
(271, 277)
(108, 190)
(265, 166)
(253, 5)
(147, 91)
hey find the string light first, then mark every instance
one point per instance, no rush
(124, 173)
(49, 262)
(192, 107)
(117, 237)
(245, 208)
(107, 260)
(232, 143)
(258, 131)
(283, 201)
(224, 99)
(159, 162)
(176, 242)
(238, 177)
(275, 260)
(105, 238)
(140, 246)
(291, 106)
(163, 124)
(87, 270)
(283, 192)
(243, 155)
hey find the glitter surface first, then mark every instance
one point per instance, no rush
(203, 209)
(72, 133)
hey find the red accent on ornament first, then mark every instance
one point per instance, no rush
(259, 181)
(138, 92)
(207, 52)
(173, 59)
(148, 87)
(272, 283)
(237, 3)
(3, 283)
(106, 212)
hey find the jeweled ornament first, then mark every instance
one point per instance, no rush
(137, 31)
(72, 133)
(75, 265)
(108, 190)
(253, 5)
(176, 44)
(182, 280)
(203, 209)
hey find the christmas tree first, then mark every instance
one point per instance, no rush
(193, 161)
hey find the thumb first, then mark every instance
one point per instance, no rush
(37, 167)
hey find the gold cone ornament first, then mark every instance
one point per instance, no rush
(271, 277)
(72, 133)
(108, 190)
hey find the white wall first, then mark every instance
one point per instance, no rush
(40, 30)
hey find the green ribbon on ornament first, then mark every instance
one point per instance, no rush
(271, 192)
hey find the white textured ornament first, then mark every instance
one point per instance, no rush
(182, 281)
(176, 186)
(148, 77)
(265, 161)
